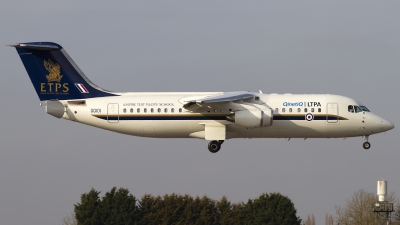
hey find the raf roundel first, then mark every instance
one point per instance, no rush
(309, 116)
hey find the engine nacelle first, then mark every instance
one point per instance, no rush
(253, 118)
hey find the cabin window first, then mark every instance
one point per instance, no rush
(319, 109)
(145, 110)
(131, 110)
(215, 110)
(172, 110)
(276, 110)
(165, 110)
(283, 109)
(298, 110)
(180, 110)
(290, 109)
(305, 109)
(124, 110)
(312, 110)
(159, 110)
(138, 110)
(151, 110)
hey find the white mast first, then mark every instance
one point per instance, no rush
(382, 190)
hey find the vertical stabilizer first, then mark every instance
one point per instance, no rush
(53, 73)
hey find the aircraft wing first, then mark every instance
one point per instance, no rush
(220, 98)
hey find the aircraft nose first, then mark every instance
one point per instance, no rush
(386, 125)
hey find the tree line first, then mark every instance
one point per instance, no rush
(118, 206)
(121, 207)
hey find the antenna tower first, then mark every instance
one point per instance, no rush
(383, 209)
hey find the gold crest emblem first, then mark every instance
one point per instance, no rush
(54, 71)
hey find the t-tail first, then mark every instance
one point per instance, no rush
(54, 74)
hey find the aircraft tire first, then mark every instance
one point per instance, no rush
(214, 146)
(366, 145)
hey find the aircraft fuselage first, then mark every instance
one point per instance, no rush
(162, 115)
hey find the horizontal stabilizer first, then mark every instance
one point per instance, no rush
(36, 47)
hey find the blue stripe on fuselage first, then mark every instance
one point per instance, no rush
(189, 117)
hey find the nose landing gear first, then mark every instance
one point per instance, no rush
(215, 146)
(366, 144)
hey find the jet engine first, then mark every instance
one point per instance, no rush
(253, 118)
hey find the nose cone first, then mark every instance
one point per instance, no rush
(379, 124)
(386, 125)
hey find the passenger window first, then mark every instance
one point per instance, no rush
(283, 110)
(138, 110)
(124, 110)
(180, 110)
(165, 110)
(357, 109)
(298, 110)
(215, 110)
(131, 110)
(312, 110)
(305, 109)
(145, 110)
(276, 110)
(159, 110)
(350, 108)
(172, 110)
(290, 109)
(319, 109)
(151, 110)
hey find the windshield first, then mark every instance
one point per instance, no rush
(357, 109)
(364, 108)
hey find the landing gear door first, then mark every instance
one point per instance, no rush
(112, 113)
(332, 113)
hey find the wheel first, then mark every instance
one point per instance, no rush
(366, 145)
(214, 146)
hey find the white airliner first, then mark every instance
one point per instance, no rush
(216, 116)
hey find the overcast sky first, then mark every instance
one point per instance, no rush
(349, 48)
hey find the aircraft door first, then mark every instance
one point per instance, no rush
(112, 113)
(332, 112)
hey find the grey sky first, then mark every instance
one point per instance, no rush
(349, 48)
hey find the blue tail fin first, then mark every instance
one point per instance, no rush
(54, 74)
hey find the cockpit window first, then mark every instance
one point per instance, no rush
(357, 109)
(363, 108)
(351, 108)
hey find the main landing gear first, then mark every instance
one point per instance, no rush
(215, 146)
(366, 144)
